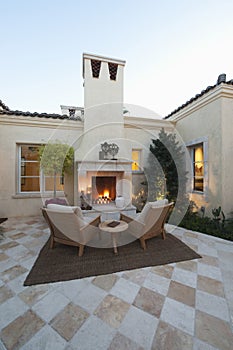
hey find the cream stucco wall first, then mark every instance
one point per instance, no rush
(16, 130)
(139, 132)
(227, 153)
(209, 119)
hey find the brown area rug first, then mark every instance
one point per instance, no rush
(62, 263)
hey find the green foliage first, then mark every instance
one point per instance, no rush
(164, 179)
(217, 226)
(216, 213)
(56, 158)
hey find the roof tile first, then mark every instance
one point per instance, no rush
(230, 82)
(39, 115)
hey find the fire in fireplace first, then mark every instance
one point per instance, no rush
(103, 189)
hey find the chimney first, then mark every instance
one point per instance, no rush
(103, 103)
(221, 78)
(103, 80)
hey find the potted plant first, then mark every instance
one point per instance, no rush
(56, 158)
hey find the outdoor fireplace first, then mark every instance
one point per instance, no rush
(103, 182)
(103, 189)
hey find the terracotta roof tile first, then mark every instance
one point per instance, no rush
(39, 115)
(196, 97)
(4, 106)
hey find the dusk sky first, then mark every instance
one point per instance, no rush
(173, 49)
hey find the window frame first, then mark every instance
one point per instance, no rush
(20, 166)
(191, 146)
(42, 177)
(139, 150)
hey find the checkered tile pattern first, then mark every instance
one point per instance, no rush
(186, 305)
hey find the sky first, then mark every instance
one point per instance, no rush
(173, 49)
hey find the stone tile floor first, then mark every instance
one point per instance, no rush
(186, 305)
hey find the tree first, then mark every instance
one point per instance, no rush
(166, 172)
(56, 158)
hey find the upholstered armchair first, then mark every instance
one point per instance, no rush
(150, 222)
(67, 226)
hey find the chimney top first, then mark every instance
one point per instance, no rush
(102, 59)
(221, 78)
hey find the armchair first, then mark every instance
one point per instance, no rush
(149, 223)
(67, 227)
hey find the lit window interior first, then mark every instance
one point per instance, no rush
(198, 168)
(136, 160)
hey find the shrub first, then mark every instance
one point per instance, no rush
(218, 226)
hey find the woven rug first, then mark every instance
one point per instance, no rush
(62, 263)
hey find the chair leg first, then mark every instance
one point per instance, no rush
(163, 233)
(81, 250)
(51, 246)
(143, 243)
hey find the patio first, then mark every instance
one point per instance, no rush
(186, 305)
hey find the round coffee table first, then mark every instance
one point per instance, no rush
(122, 226)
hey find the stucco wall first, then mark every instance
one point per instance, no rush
(18, 130)
(204, 123)
(227, 155)
(139, 132)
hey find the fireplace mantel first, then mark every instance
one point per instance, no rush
(104, 165)
(121, 169)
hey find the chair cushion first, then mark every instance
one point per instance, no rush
(70, 209)
(60, 201)
(159, 203)
(141, 217)
(66, 209)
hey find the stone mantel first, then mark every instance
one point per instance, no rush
(104, 165)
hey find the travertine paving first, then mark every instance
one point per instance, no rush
(180, 306)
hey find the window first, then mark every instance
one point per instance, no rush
(198, 168)
(29, 173)
(198, 154)
(198, 151)
(30, 176)
(136, 158)
(48, 183)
